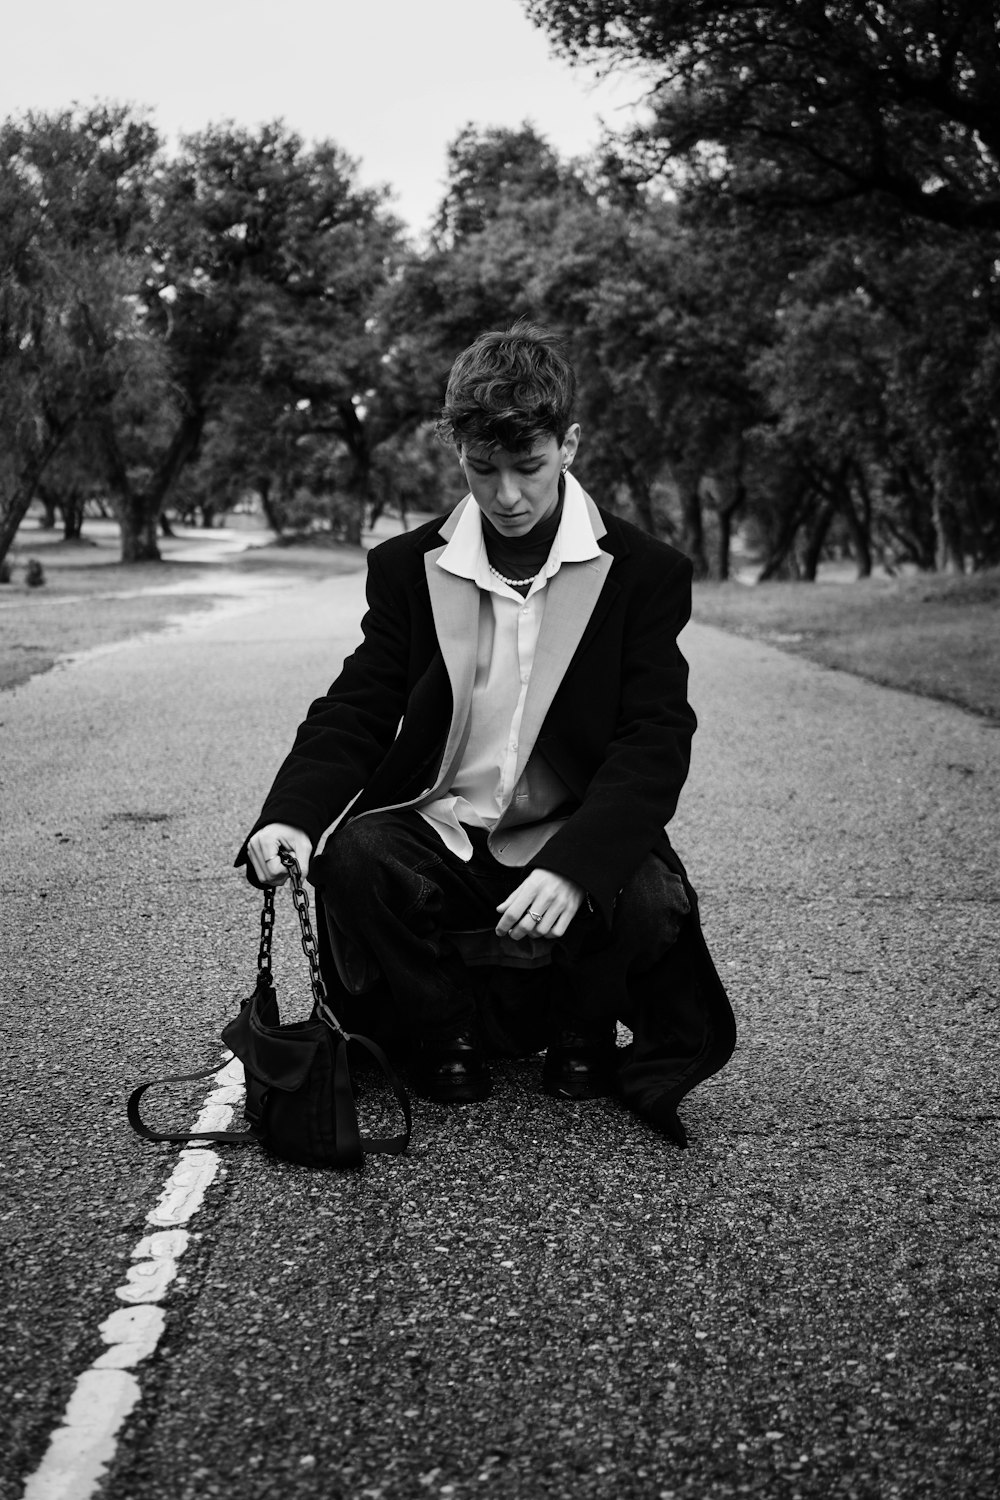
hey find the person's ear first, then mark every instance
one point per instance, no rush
(570, 443)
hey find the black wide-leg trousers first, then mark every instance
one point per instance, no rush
(392, 886)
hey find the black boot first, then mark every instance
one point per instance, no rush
(451, 1069)
(579, 1063)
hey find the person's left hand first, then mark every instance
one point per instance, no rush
(543, 905)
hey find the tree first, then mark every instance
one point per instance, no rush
(943, 393)
(71, 194)
(665, 349)
(71, 477)
(505, 192)
(137, 295)
(807, 102)
(879, 393)
(417, 472)
(857, 145)
(314, 340)
(830, 389)
(656, 320)
(262, 259)
(487, 168)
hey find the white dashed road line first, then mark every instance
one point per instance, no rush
(81, 1449)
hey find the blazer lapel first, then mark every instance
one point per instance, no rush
(455, 606)
(572, 594)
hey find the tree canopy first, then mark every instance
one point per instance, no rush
(146, 301)
(71, 341)
(242, 318)
(812, 103)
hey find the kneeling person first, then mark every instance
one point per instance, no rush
(489, 778)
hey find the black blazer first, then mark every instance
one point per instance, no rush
(618, 731)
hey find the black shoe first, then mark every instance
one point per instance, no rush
(580, 1064)
(451, 1070)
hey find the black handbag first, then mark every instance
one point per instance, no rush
(299, 1096)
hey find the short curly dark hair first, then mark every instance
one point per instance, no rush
(508, 389)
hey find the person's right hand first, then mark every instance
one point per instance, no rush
(262, 851)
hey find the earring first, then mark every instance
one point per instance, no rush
(564, 467)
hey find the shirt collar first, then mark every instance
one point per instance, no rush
(575, 541)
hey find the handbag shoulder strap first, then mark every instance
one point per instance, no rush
(385, 1145)
(179, 1137)
(343, 1100)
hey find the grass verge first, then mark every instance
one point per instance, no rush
(77, 609)
(82, 605)
(937, 636)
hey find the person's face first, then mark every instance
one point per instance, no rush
(517, 490)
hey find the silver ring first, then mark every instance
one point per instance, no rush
(536, 916)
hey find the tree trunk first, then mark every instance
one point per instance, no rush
(72, 513)
(138, 513)
(815, 539)
(639, 490)
(727, 514)
(861, 542)
(355, 519)
(725, 543)
(692, 523)
(917, 518)
(271, 506)
(730, 494)
(14, 507)
(788, 530)
(642, 499)
(948, 553)
(51, 508)
(13, 510)
(359, 485)
(138, 522)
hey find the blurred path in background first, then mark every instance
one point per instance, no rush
(541, 1299)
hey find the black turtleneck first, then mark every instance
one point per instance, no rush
(523, 556)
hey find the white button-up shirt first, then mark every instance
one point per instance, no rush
(509, 628)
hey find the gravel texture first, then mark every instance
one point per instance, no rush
(540, 1299)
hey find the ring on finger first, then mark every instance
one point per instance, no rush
(536, 916)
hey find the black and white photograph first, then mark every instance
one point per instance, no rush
(499, 755)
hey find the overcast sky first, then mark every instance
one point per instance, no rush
(390, 81)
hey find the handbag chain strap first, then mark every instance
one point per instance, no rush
(266, 930)
(309, 948)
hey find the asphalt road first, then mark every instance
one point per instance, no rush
(541, 1299)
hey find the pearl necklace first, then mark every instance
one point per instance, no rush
(514, 583)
